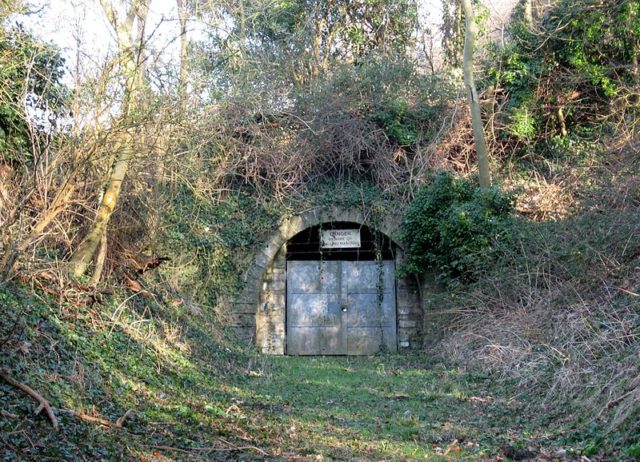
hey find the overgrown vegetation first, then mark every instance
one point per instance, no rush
(451, 225)
(557, 310)
(572, 74)
(192, 395)
(287, 107)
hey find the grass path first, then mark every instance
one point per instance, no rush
(378, 408)
(382, 408)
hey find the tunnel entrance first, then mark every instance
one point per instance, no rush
(340, 291)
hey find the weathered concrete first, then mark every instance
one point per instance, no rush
(265, 288)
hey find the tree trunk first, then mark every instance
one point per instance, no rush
(527, 13)
(316, 59)
(84, 253)
(100, 260)
(458, 39)
(476, 118)
(184, 48)
(130, 65)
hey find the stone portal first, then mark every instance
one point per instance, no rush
(310, 293)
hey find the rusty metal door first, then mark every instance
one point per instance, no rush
(340, 307)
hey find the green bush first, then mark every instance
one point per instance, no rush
(402, 123)
(451, 225)
(573, 70)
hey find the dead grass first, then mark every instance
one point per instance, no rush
(561, 313)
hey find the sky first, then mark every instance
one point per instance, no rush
(80, 28)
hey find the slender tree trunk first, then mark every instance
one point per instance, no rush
(528, 13)
(184, 47)
(458, 39)
(84, 253)
(476, 118)
(100, 259)
(131, 67)
(316, 60)
(452, 40)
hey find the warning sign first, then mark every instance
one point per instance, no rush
(340, 238)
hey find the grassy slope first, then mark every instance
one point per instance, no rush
(195, 397)
(559, 311)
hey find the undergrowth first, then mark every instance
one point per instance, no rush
(558, 313)
(167, 363)
(190, 394)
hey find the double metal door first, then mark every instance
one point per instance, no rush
(340, 307)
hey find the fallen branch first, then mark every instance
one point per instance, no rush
(234, 447)
(211, 449)
(7, 415)
(631, 389)
(44, 404)
(104, 422)
(628, 292)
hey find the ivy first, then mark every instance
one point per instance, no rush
(451, 226)
(566, 73)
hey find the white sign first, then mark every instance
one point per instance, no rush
(340, 238)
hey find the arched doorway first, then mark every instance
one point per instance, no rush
(260, 314)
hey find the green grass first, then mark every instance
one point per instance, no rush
(376, 408)
(196, 396)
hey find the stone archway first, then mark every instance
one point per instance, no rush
(258, 315)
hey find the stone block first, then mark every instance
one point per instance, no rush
(247, 297)
(404, 324)
(404, 309)
(245, 334)
(242, 320)
(276, 298)
(262, 260)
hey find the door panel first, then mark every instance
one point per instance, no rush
(340, 307)
(364, 277)
(371, 340)
(314, 310)
(366, 310)
(314, 314)
(315, 341)
(371, 301)
(313, 277)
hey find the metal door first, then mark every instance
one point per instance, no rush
(340, 307)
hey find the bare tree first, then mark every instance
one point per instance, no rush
(528, 13)
(183, 17)
(129, 32)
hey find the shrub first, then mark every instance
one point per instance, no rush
(451, 225)
(577, 68)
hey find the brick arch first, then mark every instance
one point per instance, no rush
(248, 311)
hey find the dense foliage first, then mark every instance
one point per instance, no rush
(576, 68)
(451, 226)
